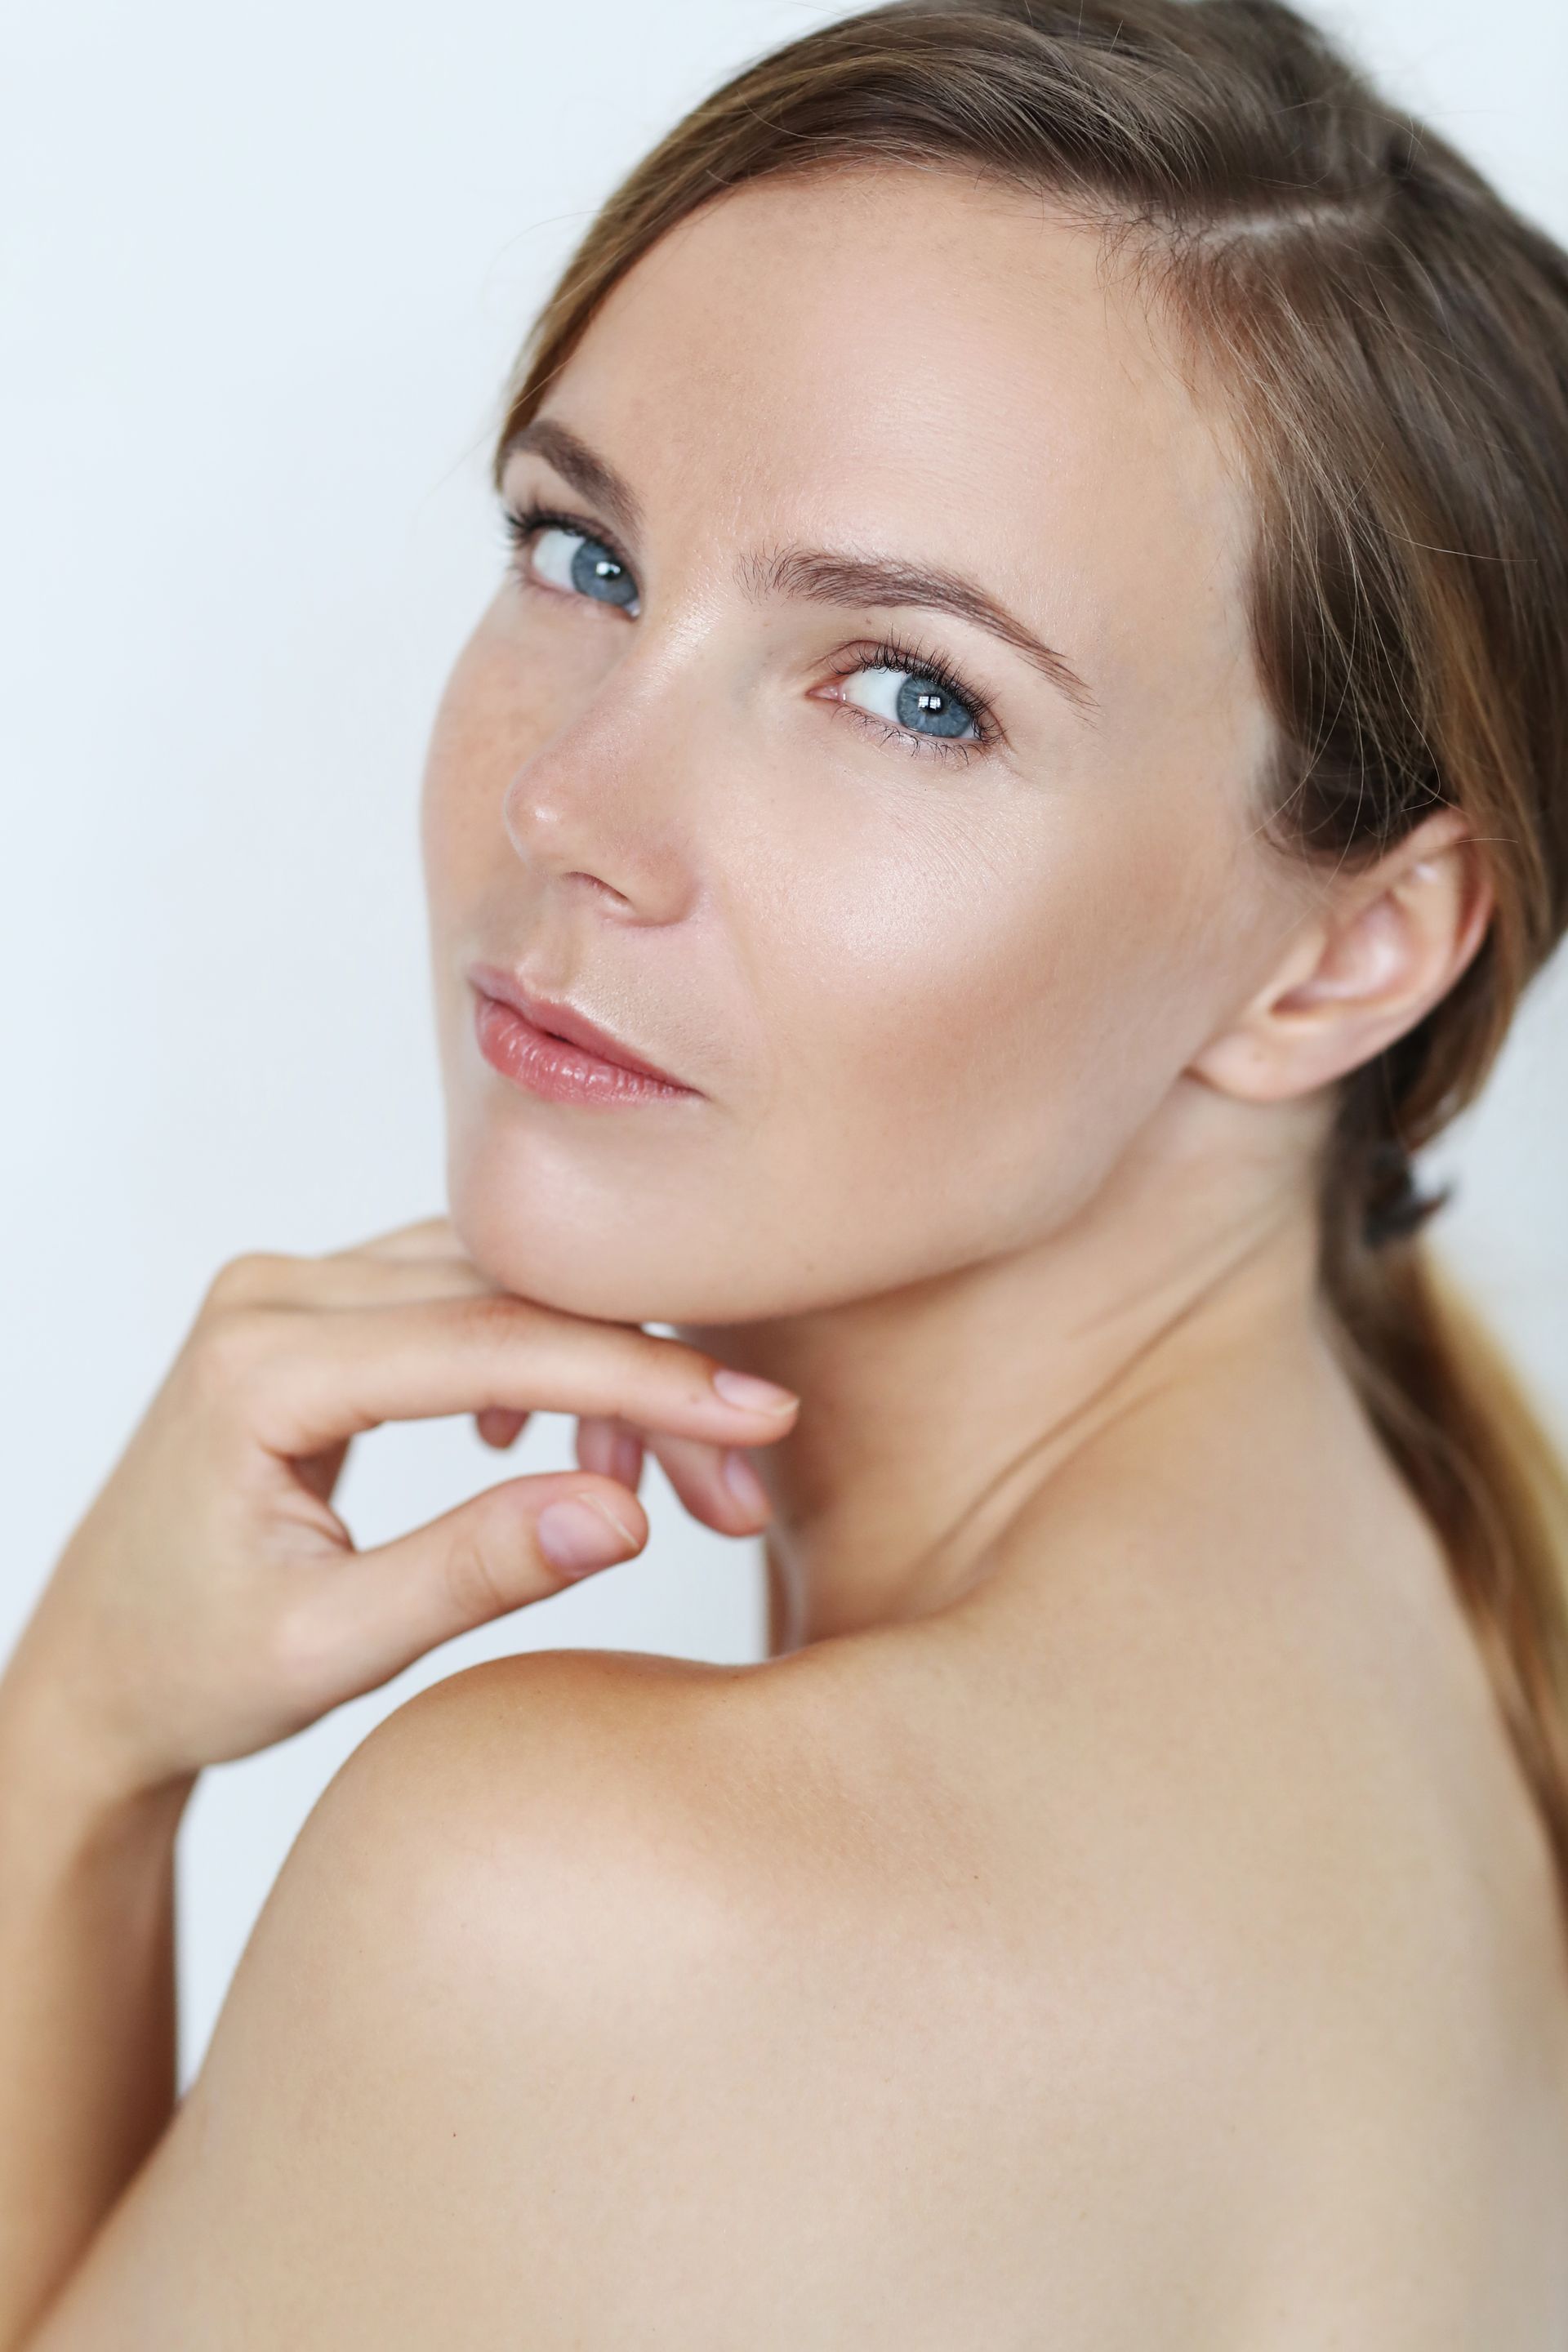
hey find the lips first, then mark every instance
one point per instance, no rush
(562, 1021)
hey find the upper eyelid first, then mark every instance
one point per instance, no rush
(515, 508)
(533, 515)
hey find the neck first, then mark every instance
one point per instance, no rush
(931, 1415)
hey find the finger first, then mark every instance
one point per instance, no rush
(516, 1543)
(499, 1428)
(427, 1238)
(305, 1382)
(351, 1278)
(320, 1472)
(611, 1447)
(717, 1484)
(343, 1279)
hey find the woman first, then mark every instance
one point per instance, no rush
(1016, 775)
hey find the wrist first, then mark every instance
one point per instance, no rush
(56, 1752)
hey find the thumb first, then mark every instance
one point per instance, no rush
(516, 1542)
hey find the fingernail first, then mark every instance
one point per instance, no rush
(756, 1396)
(578, 1535)
(745, 1483)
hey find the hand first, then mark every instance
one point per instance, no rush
(211, 1602)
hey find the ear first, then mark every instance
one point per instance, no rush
(1384, 945)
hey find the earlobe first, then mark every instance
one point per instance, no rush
(1365, 970)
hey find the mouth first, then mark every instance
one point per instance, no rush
(557, 1052)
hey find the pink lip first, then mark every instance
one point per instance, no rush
(556, 1052)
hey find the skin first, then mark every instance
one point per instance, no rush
(1113, 1903)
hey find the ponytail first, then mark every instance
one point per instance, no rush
(1452, 1413)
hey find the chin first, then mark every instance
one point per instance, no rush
(564, 1245)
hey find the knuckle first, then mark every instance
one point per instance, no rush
(490, 1314)
(676, 1360)
(250, 1278)
(678, 1376)
(232, 1347)
(628, 1370)
(476, 1578)
(295, 1655)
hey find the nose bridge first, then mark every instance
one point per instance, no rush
(603, 801)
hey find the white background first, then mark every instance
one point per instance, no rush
(264, 272)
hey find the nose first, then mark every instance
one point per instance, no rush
(595, 813)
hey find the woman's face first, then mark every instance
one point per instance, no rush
(928, 959)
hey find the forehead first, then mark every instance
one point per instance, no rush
(947, 368)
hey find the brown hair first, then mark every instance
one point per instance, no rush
(1393, 340)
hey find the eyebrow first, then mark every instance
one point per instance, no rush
(820, 574)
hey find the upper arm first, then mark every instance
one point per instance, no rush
(423, 2051)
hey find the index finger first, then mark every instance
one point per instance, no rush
(427, 1238)
(314, 1379)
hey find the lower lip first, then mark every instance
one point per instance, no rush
(550, 1067)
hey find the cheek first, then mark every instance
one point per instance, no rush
(458, 751)
(482, 726)
(981, 1018)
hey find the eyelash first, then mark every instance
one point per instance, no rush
(888, 653)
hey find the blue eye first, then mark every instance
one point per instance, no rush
(932, 708)
(916, 698)
(592, 568)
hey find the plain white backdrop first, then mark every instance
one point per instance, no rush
(264, 272)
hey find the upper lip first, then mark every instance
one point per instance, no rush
(564, 1021)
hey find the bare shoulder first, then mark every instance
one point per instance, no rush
(470, 2006)
(495, 1851)
(596, 1989)
(608, 1997)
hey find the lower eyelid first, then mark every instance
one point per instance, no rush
(525, 577)
(950, 747)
